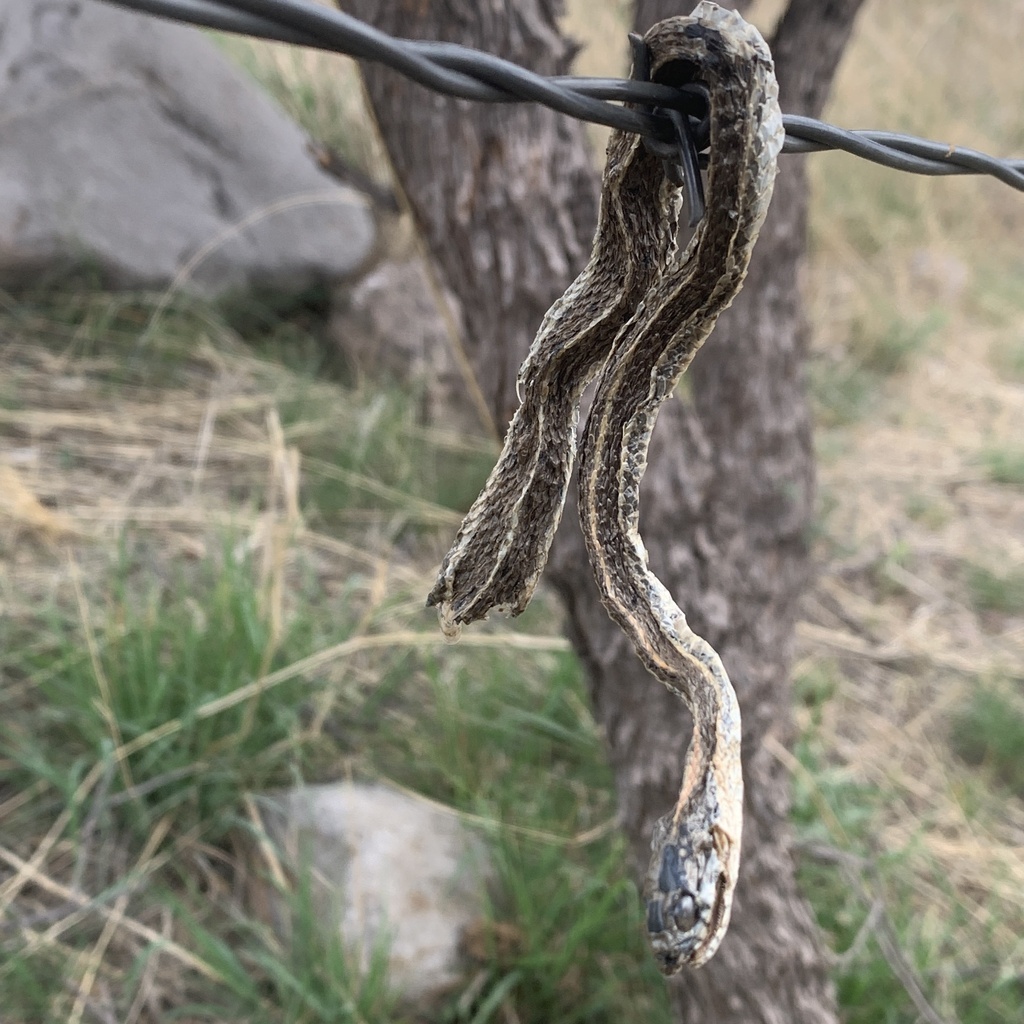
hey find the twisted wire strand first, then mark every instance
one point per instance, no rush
(466, 73)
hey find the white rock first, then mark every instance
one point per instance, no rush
(384, 866)
(130, 143)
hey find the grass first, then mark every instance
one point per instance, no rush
(311, 977)
(837, 819)
(200, 512)
(847, 386)
(989, 731)
(927, 509)
(580, 956)
(384, 462)
(95, 324)
(1005, 465)
(132, 728)
(1009, 360)
(134, 719)
(159, 650)
(995, 591)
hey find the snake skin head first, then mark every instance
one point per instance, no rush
(684, 894)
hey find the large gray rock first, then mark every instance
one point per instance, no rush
(385, 868)
(130, 144)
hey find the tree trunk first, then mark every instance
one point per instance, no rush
(505, 197)
(506, 200)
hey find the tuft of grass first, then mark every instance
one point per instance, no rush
(577, 952)
(996, 591)
(110, 332)
(814, 686)
(1004, 465)
(841, 392)
(286, 327)
(927, 509)
(309, 977)
(154, 652)
(890, 349)
(999, 297)
(845, 389)
(378, 457)
(990, 731)
(865, 985)
(364, 451)
(28, 991)
(1008, 359)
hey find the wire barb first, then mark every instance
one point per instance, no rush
(680, 159)
(660, 113)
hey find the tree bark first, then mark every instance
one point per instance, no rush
(505, 197)
(506, 200)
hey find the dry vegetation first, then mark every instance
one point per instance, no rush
(918, 615)
(134, 449)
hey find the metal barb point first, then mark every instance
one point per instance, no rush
(679, 155)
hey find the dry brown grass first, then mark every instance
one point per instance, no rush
(181, 448)
(911, 505)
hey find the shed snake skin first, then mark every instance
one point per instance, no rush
(634, 319)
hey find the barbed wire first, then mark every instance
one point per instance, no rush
(466, 73)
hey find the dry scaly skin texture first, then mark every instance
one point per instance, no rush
(637, 316)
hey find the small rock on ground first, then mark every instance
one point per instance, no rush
(383, 865)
